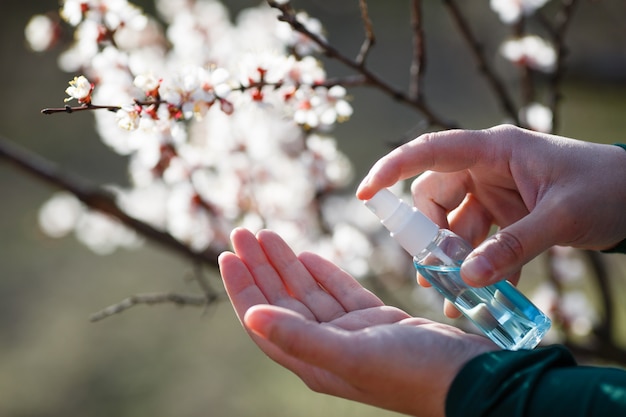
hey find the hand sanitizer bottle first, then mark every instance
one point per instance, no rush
(500, 311)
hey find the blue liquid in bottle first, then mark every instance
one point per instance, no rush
(500, 311)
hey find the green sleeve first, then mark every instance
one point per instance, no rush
(545, 382)
(621, 247)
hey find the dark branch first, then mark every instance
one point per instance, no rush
(527, 88)
(419, 57)
(70, 109)
(475, 47)
(606, 327)
(558, 32)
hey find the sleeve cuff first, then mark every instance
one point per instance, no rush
(501, 383)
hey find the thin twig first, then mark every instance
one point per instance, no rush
(181, 300)
(84, 107)
(370, 39)
(527, 89)
(419, 57)
(96, 198)
(203, 283)
(475, 47)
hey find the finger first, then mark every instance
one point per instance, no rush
(252, 255)
(504, 253)
(422, 281)
(239, 283)
(447, 151)
(265, 276)
(299, 340)
(450, 310)
(341, 285)
(471, 220)
(297, 279)
(436, 194)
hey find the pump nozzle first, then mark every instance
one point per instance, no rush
(408, 226)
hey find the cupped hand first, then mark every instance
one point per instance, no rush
(540, 190)
(313, 318)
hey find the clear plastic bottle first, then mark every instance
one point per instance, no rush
(500, 311)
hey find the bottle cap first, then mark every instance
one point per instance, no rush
(407, 226)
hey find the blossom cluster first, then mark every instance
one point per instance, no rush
(225, 121)
(224, 124)
(228, 122)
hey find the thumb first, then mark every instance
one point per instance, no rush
(303, 339)
(505, 252)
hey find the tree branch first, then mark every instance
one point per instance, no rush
(527, 89)
(476, 48)
(370, 39)
(370, 78)
(557, 32)
(419, 57)
(96, 198)
(73, 109)
(181, 300)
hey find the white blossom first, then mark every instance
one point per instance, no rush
(532, 51)
(320, 107)
(577, 310)
(60, 214)
(72, 11)
(104, 234)
(147, 82)
(79, 89)
(40, 33)
(510, 11)
(537, 117)
(128, 119)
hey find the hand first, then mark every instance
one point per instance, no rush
(317, 321)
(541, 190)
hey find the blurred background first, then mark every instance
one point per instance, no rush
(163, 361)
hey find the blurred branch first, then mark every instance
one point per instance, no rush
(370, 39)
(288, 15)
(181, 300)
(477, 50)
(604, 329)
(602, 341)
(419, 58)
(557, 31)
(96, 198)
(527, 87)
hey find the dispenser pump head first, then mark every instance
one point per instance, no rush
(407, 226)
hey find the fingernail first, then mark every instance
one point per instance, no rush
(477, 270)
(258, 320)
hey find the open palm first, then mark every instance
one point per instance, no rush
(316, 320)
